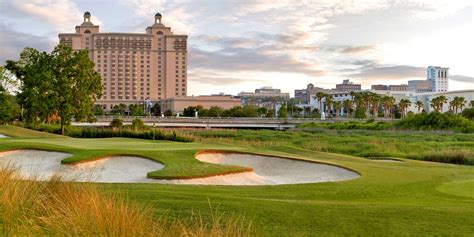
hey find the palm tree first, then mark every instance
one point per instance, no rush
(462, 103)
(442, 100)
(329, 102)
(337, 107)
(434, 104)
(353, 100)
(375, 101)
(404, 104)
(387, 102)
(419, 105)
(348, 104)
(320, 95)
(438, 102)
(366, 98)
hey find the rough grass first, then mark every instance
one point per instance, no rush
(54, 207)
(428, 146)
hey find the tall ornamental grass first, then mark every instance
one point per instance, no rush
(57, 208)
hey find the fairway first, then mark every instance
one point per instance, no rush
(389, 198)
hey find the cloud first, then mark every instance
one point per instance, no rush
(13, 42)
(179, 17)
(221, 79)
(461, 78)
(241, 59)
(390, 72)
(357, 49)
(61, 15)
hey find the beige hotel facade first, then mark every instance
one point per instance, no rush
(134, 66)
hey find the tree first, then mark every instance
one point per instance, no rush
(168, 113)
(375, 101)
(156, 109)
(62, 83)
(438, 102)
(282, 113)
(9, 109)
(98, 110)
(329, 103)
(119, 109)
(320, 95)
(262, 111)
(387, 102)
(348, 106)
(404, 104)
(337, 107)
(136, 110)
(419, 105)
(116, 123)
(215, 111)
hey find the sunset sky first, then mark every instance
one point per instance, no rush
(240, 45)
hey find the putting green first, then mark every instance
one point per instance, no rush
(412, 198)
(461, 188)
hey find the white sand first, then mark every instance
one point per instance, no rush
(42, 165)
(3, 136)
(268, 171)
(33, 164)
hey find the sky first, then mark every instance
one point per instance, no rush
(241, 45)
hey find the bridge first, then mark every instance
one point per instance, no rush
(191, 122)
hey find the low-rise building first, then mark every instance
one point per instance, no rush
(401, 87)
(263, 97)
(178, 104)
(379, 87)
(420, 86)
(348, 86)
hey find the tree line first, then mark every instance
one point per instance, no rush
(368, 104)
(54, 86)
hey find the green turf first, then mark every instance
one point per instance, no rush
(413, 198)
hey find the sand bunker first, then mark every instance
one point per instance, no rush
(268, 171)
(3, 136)
(42, 165)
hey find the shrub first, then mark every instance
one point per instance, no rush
(437, 121)
(116, 123)
(468, 113)
(137, 124)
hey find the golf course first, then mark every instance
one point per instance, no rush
(387, 197)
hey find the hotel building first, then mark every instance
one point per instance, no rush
(438, 76)
(134, 66)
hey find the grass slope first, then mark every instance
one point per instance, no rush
(407, 198)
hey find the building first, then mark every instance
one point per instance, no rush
(427, 97)
(379, 87)
(305, 95)
(402, 87)
(301, 95)
(134, 67)
(348, 86)
(438, 76)
(263, 97)
(420, 86)
(178, 104)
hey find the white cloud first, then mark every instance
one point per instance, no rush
(60, 14)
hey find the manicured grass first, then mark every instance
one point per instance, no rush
(413, 198)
